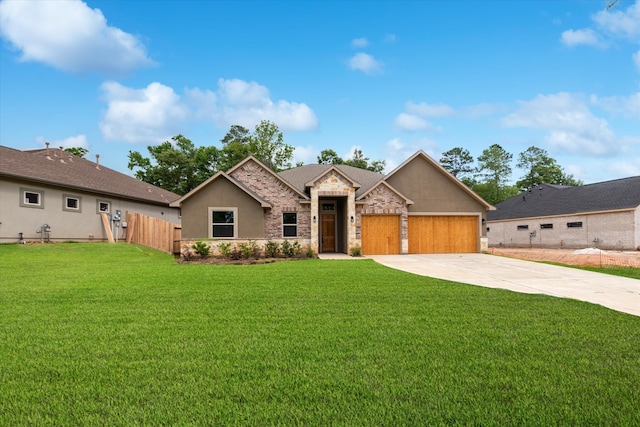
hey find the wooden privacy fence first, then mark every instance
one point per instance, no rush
(153, 232)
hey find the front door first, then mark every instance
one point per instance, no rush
(328, 232)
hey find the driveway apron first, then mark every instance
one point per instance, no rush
(618, 293)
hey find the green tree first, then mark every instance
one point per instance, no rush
(359, 160)
(235, 147)
(175, 165)
(78, 151)
(458, 161)
(329, 157)
(494, 171)
(267, 144)
(541, 169)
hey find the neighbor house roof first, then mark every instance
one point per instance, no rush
(63, 169)
(547, 200)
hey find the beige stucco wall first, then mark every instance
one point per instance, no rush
(615, 230)
(82, 225)
(221, 193)
(431, 190)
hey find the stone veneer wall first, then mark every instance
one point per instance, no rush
(382, 201)
(283, 199)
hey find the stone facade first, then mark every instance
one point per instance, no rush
(283, 199)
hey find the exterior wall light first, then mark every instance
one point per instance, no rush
(315, 219)
(352, 219)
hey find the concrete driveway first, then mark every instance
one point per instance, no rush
(618, 293)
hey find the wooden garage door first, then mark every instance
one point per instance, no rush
(380, 234)
(443, 234)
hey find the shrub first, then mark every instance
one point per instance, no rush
(225, 249)
(235, 254)
(287, 249)
(355, 251)
(249, 249)
(271, 249)
(310, 252)
(201, 248)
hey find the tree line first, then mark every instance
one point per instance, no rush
(179, 166)
(490, 173)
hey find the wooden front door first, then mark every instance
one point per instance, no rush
(328, 232)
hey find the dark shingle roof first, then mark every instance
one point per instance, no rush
(298, 177)
(547, 200)
(78, 173)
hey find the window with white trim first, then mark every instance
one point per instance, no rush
(224, 222)
(31, 198)
(71, 203)
(103, 206)
(289, 224)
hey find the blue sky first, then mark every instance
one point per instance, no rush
(389, 77)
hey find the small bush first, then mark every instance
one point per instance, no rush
(287, 249)
(201, 248)
(271, 249)
(355, 251)
(249, 249)
(235, 254)
(310, 252)
(225, 249)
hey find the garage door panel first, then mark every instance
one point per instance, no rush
(443, 234)
(380, 234)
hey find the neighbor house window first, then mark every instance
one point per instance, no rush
(103, 206)
(224, 222)
(574, 224)
(31, 198)
(523, 227)
(71, 203)
(542, 226)
(289, 224)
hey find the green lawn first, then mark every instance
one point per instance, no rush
(104, 334)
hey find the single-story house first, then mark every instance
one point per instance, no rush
(417, 208)
(50, 194)
(605, 215)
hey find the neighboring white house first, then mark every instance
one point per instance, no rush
(605, 215)
(53, 195)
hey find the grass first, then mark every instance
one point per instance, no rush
(99, 334)
(630, 272)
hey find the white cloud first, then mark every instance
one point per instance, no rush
(70, 36)
(365, 63)
(580, 37)
(397, 150)
(247, 103)
(148, 115)
(626, 106)
(360, 42)
(156, 113)
(415, 116)
(568, 123)
(429, 110)
(306, 155)
(625, 24)
(411, 123)
(636, 59)
(629, 168)
(390, 38)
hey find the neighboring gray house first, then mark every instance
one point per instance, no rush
(68, 193)
(604, 215)
(417, 208)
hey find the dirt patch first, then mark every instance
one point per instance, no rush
(595, 258)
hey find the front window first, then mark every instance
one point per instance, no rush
(223, 223)
(289, 224)
(31, 198)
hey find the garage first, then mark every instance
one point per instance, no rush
(380, 234)
(443, 234)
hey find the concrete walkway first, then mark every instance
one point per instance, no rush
(618, 293)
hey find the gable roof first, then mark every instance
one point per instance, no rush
(299, 177)
(64, 169)
(446, 173)
(385, 184)
(547, 200)
(216, 176)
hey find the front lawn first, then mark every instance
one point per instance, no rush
(116, 334)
